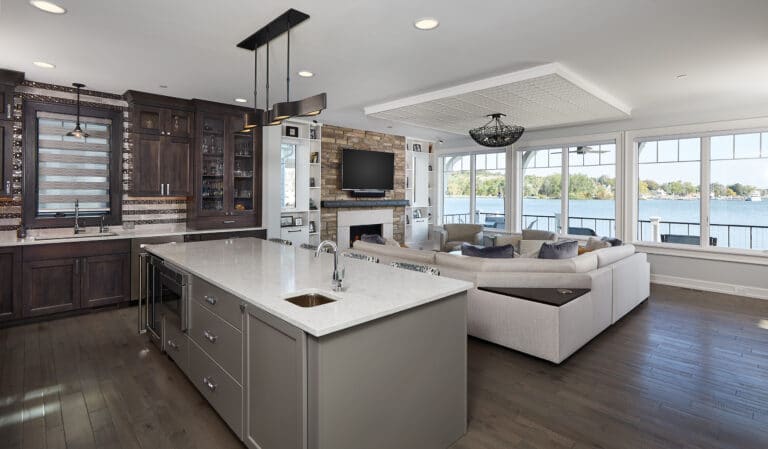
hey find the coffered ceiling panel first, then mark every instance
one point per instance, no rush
(541, 97)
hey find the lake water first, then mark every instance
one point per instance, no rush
(723, 212)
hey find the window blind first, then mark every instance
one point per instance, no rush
(72, 169)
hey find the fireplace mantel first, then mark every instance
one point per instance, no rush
(337, 204)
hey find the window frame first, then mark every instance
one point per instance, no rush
(30, 197)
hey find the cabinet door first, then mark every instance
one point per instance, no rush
(6, 102)
(146, 166)
(6, 154)
(176, 166)
(10, 283)
(106, 280)
(51, 286)
(149, 120)
(179, 124)
(242, 161)
(276, 375)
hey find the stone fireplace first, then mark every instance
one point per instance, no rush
(381, 220)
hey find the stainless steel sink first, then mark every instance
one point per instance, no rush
(73, 236)
(310, 300)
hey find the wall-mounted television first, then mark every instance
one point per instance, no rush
(367, 170)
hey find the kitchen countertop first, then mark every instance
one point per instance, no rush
(264, 273)
(92, 234)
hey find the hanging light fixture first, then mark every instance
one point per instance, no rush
(78, 131)
(309, 106)
(495, 133)
(252, 119)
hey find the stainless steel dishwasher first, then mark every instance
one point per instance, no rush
(137, 250)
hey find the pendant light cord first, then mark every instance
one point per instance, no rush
(267, 75)
(255, 79)
(288, 67)
(78, 105)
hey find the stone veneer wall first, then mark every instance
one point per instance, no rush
(135, 209)
(334, 139)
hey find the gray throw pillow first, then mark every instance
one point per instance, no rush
(373, 238)
(489, 252)
(612, 241)
(535, 234)
(560, 250)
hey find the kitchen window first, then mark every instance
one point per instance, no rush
(66, 169)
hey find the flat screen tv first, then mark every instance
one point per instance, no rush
(367, 170)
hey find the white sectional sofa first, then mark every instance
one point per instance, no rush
(618, 279)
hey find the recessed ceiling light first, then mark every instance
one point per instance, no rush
(44, 65)
(241, 100)
(306, 74)
(163, 86)
(50, 7)
(681, 76)
(426, 23)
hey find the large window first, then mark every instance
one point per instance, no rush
(474, 189)
(676, 189)
(588, 174)
(70, 169)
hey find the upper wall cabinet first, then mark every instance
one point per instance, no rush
(163, 128)
(8, 81)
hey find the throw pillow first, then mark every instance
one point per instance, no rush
(489, 252)
(560, 250)
(612, 241)
(535, 234)
(373, 238)
(595, 243)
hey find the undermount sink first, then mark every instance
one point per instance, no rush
(310, 300)
(73, 236)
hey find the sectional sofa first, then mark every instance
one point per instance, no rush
(618, 279)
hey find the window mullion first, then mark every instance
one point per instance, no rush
(472, 190)
(564, 186)
(704, 189)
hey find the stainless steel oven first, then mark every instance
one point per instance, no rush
(167, 296)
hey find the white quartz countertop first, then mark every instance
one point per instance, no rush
(264, 273)
(65, 235)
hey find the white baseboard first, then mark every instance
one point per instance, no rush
(708, 286)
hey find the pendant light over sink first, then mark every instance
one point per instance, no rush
(306, 107)
(78, 131)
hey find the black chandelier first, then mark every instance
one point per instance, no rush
(78, 131)
(306, 107)
(495, 133)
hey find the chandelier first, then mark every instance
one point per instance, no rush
(495, 133)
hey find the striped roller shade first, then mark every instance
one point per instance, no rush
(72, 169)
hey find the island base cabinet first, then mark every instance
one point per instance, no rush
(219, 389)
(276, 388)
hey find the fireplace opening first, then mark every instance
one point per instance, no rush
(356, 232)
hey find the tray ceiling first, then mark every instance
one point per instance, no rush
(541, 97)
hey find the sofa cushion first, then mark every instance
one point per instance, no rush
(391, 253)
(536, 234)
(561, 250)
(490, 252)
(613, 254)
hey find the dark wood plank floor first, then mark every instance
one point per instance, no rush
(685, 370)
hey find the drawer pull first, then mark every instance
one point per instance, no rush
(228, 222)
(210, 300)
(210, 336)
(208, 382)
(172, 344)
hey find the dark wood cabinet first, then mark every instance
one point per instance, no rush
(6, 156)
(71, 276)
(257, 233)
(162, 130)
(227, 174)
(10, 283)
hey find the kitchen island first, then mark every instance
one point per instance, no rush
(382, 365)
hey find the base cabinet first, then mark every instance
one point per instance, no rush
(10, 283)
(106, 279)
(51, 286)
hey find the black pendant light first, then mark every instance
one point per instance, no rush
(252, 119)
(309, 106)
(495, 133)
(78, 131)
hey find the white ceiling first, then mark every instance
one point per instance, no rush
(545, 96)
(368, 52)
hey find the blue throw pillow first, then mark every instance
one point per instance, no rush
(373, 238)
(559, 250)
(490, 252)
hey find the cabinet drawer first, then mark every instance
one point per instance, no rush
(220, 390)
(219, 302)
(176, 345)
(221, 341)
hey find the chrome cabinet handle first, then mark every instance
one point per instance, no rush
(162, 189)
(210, 300)
(228, 221)
(172, 344)
(8, 113)
(168, 189)
(208, 382)
(210, 336)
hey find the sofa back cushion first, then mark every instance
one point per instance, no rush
(533, 246)
(489, 252)
(613, 254)
(463, 232)
(561, 250)
(580, 264)
(535, 234)
(388, 253)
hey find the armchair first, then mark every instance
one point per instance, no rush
(453, 235)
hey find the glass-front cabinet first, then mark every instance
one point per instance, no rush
(228, 170)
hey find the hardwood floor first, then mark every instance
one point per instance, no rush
(685, 370)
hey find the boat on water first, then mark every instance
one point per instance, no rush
(754, 197)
